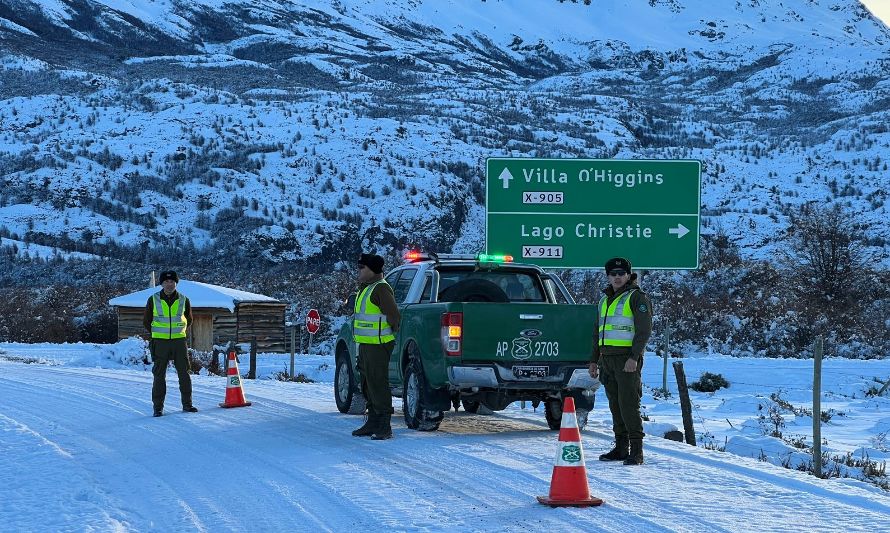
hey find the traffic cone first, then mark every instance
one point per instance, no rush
(568, 485)
(234, 390)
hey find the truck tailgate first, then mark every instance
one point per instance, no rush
(518, 332)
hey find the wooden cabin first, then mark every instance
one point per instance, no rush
(219, 315)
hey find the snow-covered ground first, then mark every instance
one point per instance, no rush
(82, 453)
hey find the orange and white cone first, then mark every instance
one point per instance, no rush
(568, 485)
(234, 390)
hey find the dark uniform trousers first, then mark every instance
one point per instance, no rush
(162, 352)
(373, 363)
(624, 391)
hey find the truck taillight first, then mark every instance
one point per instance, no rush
(452, 333)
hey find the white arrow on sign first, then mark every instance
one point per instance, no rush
(506, 177)
(680, 230)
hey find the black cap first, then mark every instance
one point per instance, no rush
(168, 274)
(618, 263)
(372, 261)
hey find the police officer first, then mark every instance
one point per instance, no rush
(623, 328)
(374, 327)
(167, 316)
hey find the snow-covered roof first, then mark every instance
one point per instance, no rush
(200, 294)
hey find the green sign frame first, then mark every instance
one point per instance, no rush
(578, 213)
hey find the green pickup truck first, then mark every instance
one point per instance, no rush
(478, 331)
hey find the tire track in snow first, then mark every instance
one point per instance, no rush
(169, 481)
(384, 479)
(536, 470)
(785, 477)
(623, 510)
(285, 410)
(62, 390)
(478, 471)
(66, 486)
(449, 482)
(644, 491)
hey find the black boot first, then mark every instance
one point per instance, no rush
(636, 453)
(619, 452)
(368, 428)
(384, 429)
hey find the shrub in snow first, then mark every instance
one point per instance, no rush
(709, 382)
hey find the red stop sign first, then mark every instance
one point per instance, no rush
(313, 321)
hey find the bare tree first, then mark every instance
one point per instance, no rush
(826, 245)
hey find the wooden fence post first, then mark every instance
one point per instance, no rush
(664, 374)
(301, 337)
(293, 348)
(252, 373)
(817, 407)
(685, 405)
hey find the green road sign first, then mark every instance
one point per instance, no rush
(577, 213)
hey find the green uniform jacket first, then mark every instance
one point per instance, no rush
(641, 307)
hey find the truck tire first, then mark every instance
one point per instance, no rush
(417, 416)
(346, 394)
(474, 290)
(553, 413)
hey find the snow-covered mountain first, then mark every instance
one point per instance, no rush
(301, 131)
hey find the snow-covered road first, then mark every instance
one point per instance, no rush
(81, 452)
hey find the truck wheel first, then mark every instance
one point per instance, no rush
(553, 413)
(413, 401)
(474, 290)
(349, 399)
(470, 406)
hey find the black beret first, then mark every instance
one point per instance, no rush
(618, 263)
(168, 274)
(372, 261)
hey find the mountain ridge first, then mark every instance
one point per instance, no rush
(301, 132)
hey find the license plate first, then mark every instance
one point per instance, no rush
(530, 371)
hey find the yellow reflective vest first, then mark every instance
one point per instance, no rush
(616, 323)
(168, 322)
(369, 325)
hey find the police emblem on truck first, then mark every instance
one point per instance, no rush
(521, 348)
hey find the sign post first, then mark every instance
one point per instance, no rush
(577, 213)
(293, 335)
(313, 323)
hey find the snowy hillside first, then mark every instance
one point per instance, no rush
(299, 132)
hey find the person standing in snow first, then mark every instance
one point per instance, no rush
(167, 316)
(623, 329)
(374, 325)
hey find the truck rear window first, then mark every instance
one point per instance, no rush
(518, 286)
